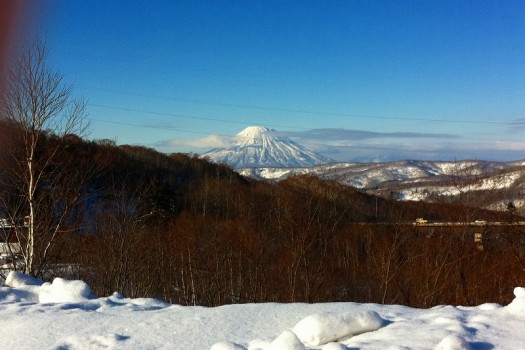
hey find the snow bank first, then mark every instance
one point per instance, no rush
(30, 319)
(64, 291)
(28, 288)
(18, 280)
(319, 329)
(22, 288)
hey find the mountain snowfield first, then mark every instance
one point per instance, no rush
(64, 315)
(258, 146)
(369, 175)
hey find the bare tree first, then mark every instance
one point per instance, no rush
(38, 105)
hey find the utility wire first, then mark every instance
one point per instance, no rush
(455, 121)
(189, 116)
(150, 126)
(274, 109)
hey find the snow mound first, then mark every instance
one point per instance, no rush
(519, 292)
(18, 279)
(517, 306)
(287, 340)
(319, 329)
(453, 342)
(21, 288)
(64, 291)
(259, 344)
(489, 306)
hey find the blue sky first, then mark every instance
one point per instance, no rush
(353, 80)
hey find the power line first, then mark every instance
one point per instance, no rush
(189, 116)
(228, 104)
(455, 121)
(150, 126)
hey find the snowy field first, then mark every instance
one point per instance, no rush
(64, 315)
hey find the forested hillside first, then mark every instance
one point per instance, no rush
(182, 229)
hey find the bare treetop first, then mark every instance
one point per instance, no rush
(37, 98)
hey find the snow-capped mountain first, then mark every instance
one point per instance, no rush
(261, 153)
(258, 146)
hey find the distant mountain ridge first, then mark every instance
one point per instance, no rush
(258, 146)
(367, 175)
(494, 184)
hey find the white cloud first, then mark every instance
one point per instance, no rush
(203, 143)
(346, 134)
(361, 145)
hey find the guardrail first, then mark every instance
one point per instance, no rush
(448, 224)
(477, 223)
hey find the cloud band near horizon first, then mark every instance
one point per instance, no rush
(347, 145)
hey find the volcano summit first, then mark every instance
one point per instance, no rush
(261, 147)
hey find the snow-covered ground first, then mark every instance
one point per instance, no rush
(64, 315)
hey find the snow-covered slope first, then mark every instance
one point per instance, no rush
(503, 182)
(372, 175)
(258, 146)
(369, 175)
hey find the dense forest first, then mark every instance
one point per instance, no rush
(179, 228)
